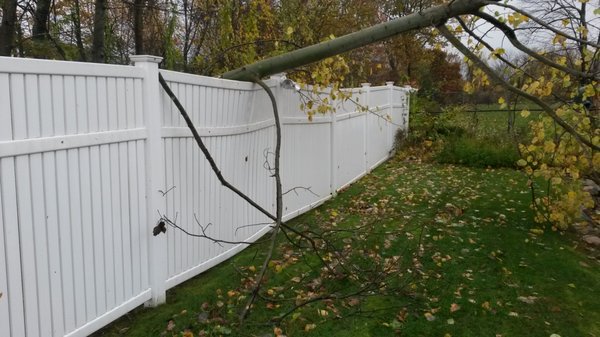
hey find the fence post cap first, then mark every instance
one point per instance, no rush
(145, 58)
(389, 83)
(366, 84)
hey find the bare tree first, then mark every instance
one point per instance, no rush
(99, 31)
(138, 26)
(7, 27)
(41, 16)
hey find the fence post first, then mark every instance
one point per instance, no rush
(333, 156)
(155, 175)
(391, 126)
(366, 89)
(406, 111)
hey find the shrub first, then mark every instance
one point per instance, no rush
(476, 152)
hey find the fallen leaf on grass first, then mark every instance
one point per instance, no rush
(450, 321)
(353, 302)
(429, 317)
(203, 318)
(527, 299)
(171, 325)
(536, 231)
(513, 314)
(454, 307)
(309, 327)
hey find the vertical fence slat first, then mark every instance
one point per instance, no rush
(143, 225)
(108, 226)
(170, 210)
(81, 106)
(10, 271)
(4, 305)
(64, 220)
(124, 221)
(87, 236)
(26, 230)
(98, 227)
(116, 222)
(41, 244)
(14, 293)
(76, 245)
(92, 103)
(70, 108)
(134, 220)
(103, 113)
(53, 238)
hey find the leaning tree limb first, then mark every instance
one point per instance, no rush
(512, 37)
(543, 24)
(432, 16)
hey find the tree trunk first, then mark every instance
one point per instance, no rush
(314, 53)
(40, 20)
(98, 34)
(7, 27)
(138, 26)
(77, 23)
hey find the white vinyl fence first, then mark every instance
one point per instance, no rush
(92, 155)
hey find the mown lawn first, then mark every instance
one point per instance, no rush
(472, 263)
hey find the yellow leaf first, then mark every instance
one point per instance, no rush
(289, 30)
(536, 231)
(525, 113)
(502, 102)
(498, 52)
(309, 327)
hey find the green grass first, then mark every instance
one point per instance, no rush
(487, 152)
(477, 252)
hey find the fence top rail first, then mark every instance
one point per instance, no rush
(205, 81)
(13, 65)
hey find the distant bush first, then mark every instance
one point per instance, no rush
(477, 152)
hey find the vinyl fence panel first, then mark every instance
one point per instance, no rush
(92, 156)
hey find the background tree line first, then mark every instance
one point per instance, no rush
(209, 37)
